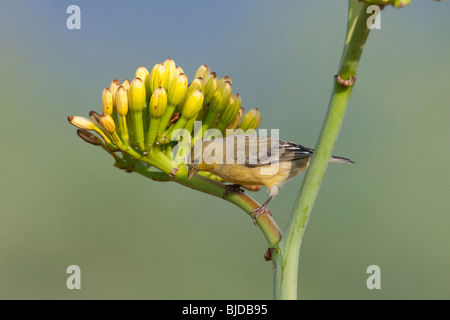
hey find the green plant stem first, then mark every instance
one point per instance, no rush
(138, 127)
(286, 258)
(165, 119)
(124, 130)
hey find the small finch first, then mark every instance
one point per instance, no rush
(249, 161)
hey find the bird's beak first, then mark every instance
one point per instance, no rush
(192, 171)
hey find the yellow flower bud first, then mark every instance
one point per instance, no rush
(210, 86)
(197, 84)
(143, 74)
(87, 124)
(202, 71)
(107, 123)
(251, 120)
(109, 126)
(158, 103)
(122, 101)
(107, 101)
(177, 90)
(136, 96)
(115, 84)
(157, 78)
(122, 110)
(192, 105)
(126, 84)
(221, 97)
(171, 72)
(179, 70)
(81, 123)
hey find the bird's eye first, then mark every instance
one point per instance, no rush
(196, 161)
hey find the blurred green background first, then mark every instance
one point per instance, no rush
(62, 202)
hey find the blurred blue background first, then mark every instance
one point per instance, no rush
(62, 202)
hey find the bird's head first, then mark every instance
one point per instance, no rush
(197, 162)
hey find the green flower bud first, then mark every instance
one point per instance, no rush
(158, 103)
(136, 96)
(177, 90)
(171, 72)
(224, 79)
(190, 109)
(202, 71)
(157, 108)
(251, 120)
(107, 101)
(122, 101)
(231, 111)
(217, 105)
(221, 97)
(210, 86)
(236, 120)
(210, 89)
(157, 78)
(192, 105)
(107, 123)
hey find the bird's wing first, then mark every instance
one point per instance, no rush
(254, 151)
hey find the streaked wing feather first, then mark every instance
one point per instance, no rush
(254, 157)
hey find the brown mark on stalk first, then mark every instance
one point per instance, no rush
(174, 172)
(345, 83)
(268, 254)
(174, 118)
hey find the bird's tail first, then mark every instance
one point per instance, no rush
(340, 160)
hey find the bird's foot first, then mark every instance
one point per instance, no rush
(232, 188)
(259, 211)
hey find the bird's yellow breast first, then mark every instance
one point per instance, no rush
(269, 175)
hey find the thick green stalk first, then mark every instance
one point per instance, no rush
(177, 125)
(124, 130)
(286, 258)
(138, 127)
(165, 119)
(152, 133)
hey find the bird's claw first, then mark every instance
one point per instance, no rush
(259, 211)
(235, 188)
